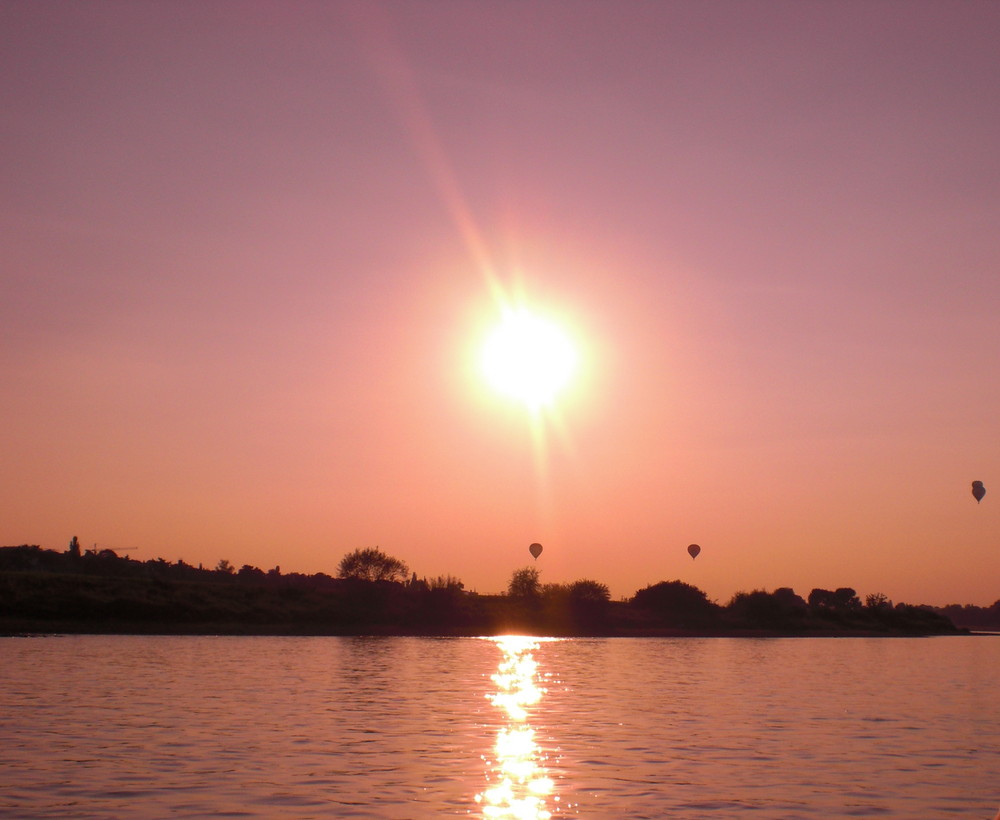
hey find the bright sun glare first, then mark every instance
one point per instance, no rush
(528, 358)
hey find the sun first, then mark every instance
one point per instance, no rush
(528, 358)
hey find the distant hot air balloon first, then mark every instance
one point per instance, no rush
(978, 490)
(535, 550)
(693, 551)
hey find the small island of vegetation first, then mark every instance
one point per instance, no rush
(98, 591)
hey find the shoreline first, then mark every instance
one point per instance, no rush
(18, 627)
(45, 592)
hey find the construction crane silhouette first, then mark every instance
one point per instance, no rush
(95, 551)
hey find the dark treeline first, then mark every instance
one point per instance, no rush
(373, 593)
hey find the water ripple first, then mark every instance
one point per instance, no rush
(397, 729)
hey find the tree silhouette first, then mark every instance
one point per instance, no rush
(589, 593)
(760, 608)
(589, 602)
(371, 564)
(847, 599)
(877, 601)
(524, 583)
(820, 599)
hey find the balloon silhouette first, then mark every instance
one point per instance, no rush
(535, 550)
(978, 490)
(693, 551)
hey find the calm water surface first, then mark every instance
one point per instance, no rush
(150, 727)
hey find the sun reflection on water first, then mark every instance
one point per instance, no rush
(518, 783)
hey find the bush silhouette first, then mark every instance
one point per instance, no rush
(676, 602)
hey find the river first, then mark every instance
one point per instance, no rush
(390, 728)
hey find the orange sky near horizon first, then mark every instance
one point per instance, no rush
(250, 257)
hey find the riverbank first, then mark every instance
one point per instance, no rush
(21, 627)
(46, 592)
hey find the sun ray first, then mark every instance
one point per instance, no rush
(545, 373)
(398, 79)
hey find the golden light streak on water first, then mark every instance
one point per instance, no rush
(520, 785)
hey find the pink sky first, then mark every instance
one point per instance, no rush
(248, 250)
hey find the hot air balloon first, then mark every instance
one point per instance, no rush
(693, 551)
(978, 490)
(535, 550)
